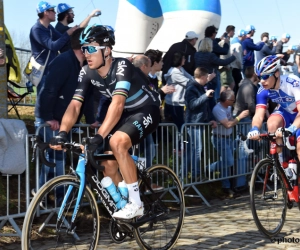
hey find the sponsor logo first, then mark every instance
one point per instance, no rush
(147, 120)
(96, 83)
(78, 90)
(295, 84)
(106, 39)
(120, 69)
(139, 127)
(112, 82)
(81, 74)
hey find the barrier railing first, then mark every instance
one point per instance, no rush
(168, 147)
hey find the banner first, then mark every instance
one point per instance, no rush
(12, 60)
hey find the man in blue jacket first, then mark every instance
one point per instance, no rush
(55, 96)
(249, 46)
(44, 39)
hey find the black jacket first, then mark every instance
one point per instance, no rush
(189, 51)
(59, 87)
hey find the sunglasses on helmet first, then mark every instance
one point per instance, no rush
(90, 49)
(264, 77)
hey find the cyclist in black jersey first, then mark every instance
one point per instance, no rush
(131, 116)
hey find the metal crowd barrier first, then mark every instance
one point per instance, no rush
(168, 146)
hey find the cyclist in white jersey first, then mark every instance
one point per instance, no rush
(281, 89)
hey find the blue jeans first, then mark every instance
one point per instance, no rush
(52, 155)
(224, 147)
(194, 149)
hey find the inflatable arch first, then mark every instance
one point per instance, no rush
(157, 24)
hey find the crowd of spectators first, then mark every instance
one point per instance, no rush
(196, 86)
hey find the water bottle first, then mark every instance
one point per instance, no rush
(111, 188)
(293, 169)
(124, 194)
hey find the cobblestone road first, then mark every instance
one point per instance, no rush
(228, 224)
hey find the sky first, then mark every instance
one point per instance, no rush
(273, 16)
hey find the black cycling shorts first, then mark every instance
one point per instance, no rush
(137, 124)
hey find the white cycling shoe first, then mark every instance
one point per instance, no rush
(130, 211)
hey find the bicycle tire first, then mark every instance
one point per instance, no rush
(269, 212)
(40, 223)
(164, 231)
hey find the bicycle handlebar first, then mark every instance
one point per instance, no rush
(74, 147)
(286, 134)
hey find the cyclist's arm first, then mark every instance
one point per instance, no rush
(258, 118)
(70, 116)
(113, 115)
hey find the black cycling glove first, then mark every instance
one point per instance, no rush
(94, 142)
(61, 138)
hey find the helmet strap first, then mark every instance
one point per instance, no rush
(104, 59)
(276, 79)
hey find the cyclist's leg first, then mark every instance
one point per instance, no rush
(111, 169)
(298, 143)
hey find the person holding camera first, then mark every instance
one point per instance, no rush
(197, 111)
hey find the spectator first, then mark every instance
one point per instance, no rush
(226, 71)
(65, 16)
(156, 65)
(237, 65)
(44, 39)
(249, 47)
(222, 137)
(246, 96)
(197, 111)
(55, 96)
(286, 56)
(206, 59)
(187, 47)
(211, 32)
(284, 39)
(143, 63)
(296, 67)
(177, 76)
(266, 50)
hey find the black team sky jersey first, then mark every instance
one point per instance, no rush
(124, 79)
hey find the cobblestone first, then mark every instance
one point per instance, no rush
(227, 224)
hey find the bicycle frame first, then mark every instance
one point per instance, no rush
(293, 191)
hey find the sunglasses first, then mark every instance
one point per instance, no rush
(264, 77)
(91, 49)
(52, 10)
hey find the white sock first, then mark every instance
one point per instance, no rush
(280, 158)
(134, 193)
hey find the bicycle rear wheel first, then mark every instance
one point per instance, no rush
(166, 206)
(268, 197)
(41, 229)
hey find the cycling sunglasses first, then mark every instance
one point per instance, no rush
(90, 49)
(264, 77)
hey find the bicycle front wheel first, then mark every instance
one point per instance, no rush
(268, 197)
(43, 230)
(165, 205)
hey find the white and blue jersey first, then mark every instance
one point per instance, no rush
(287, 96)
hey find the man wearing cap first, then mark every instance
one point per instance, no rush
(284, 39)
(65, 16)
(249, 46)
(187, 47)
(44, 39)
(237, 65)
(296, 67)
(266, 50)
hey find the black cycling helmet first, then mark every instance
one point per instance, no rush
(102, 34)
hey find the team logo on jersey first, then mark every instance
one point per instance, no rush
(96, 83)
(81, 74)
(147, 120)
(290, 80)
(120, 69)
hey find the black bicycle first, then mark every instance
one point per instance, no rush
(274, 188)
(64, 212)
